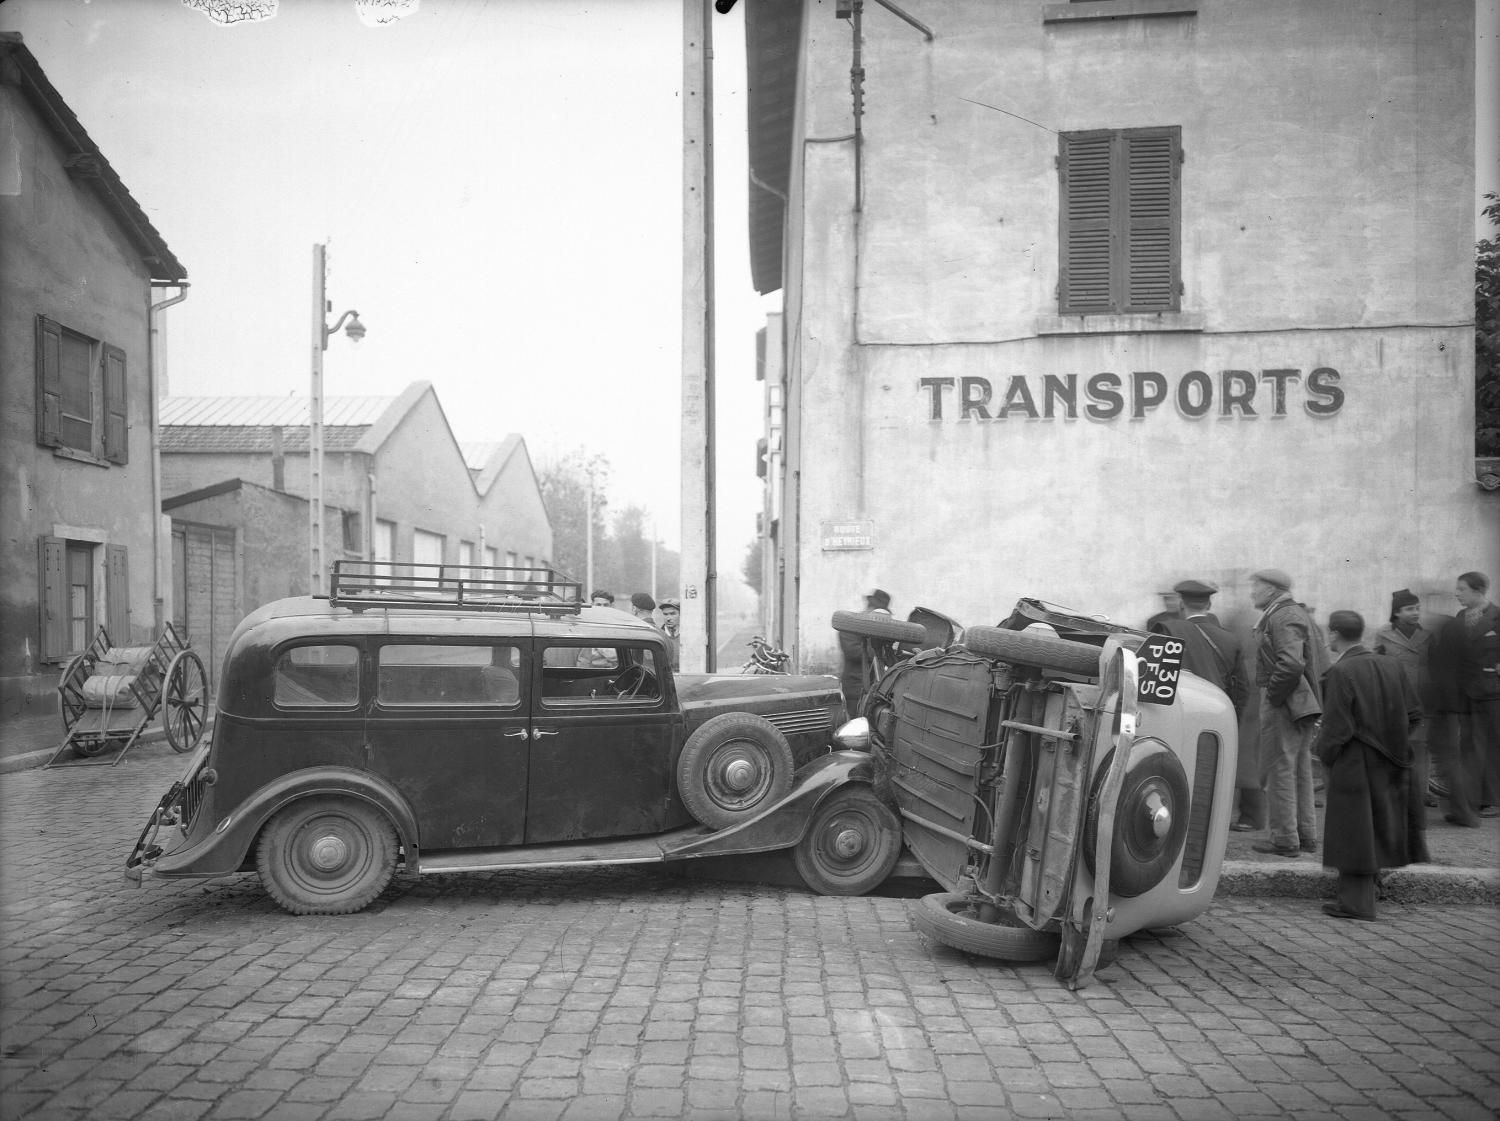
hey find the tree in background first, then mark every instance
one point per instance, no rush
(1487, 337)
(565, 487)
(622, 550)
(754, 556)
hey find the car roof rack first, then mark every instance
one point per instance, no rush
(448, 587)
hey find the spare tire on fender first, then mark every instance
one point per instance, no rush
(1041, 650)
(1151, 819)
(873, 624)
(732, 767)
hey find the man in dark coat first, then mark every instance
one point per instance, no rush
(1215, 653)
(864, 658)
(1465, 667)
(1368, 708)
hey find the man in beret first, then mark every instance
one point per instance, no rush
(1288, 670)
(1216, 654)
(1368, 707)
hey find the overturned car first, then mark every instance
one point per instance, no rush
(1065, 791)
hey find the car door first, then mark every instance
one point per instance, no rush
(448, 725)
(604, 734)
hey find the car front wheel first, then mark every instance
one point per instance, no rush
(851, 846)
(952, 919)
(326, 856)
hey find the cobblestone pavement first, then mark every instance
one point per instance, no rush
(634, 993)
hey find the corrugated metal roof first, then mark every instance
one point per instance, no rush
(270, 411)
(258, 438)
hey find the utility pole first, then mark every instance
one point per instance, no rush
(317, 565)
(699, 581)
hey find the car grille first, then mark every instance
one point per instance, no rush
(800, 721)
(194, 791)
(1205, 777)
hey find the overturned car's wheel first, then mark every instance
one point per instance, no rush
(951, 919)
(326, 856)
(1041, 650)
(733, 767)
(873, 624)
(851, 845)
(1151, 819)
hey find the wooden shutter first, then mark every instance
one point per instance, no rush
(116, 419)
(48, 382)
(52, 598)
(1150, 163)
(1087, 210)
(117, 593)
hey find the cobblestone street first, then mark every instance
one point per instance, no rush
(636, 993)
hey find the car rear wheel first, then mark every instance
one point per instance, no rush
(851, 845)
(1151, 819)
(326, 856)
(952, 919)
(733, 767)
(1041, 650)
(876, 625)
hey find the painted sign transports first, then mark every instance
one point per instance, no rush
(848, 534)
(1107, 396)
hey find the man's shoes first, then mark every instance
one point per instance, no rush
(1454, 819)
(1338, 912)
(1489, 811)
(1242, 827)
(1309, 846)
(1275, 850)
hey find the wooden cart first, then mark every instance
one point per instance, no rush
(109, 695)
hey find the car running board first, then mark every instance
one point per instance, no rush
(631, 850)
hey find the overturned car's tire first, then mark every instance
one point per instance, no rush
(950, 918)
(733, 767)
(876, 625)
(1041, 650)
(1151, 819)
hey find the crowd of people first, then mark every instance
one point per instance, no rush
(1378, 715)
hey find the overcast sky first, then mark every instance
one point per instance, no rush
(500, 186)
(499, 182)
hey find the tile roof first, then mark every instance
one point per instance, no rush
(247, 424)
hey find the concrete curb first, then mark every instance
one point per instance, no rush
(31, 760)
(1418, 883)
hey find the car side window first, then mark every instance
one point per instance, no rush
(582, 675)
(317, 677)
(448, 675)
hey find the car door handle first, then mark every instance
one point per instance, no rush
(538, 733)
(512, 735)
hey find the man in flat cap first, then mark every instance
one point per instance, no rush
(1289, 663)
(1216, 654)
(671, 625)
(1368, 707)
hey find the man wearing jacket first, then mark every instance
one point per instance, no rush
(1466, 672)
(1288, 669)
(1369, 706)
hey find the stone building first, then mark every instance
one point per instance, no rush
(1082, 299)
(84, 543)
(396, 485)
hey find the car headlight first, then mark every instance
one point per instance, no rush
(855, 735)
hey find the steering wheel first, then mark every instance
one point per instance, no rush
(632, 681)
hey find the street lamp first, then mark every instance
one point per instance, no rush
(321, 334)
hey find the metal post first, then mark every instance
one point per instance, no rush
(315, 427)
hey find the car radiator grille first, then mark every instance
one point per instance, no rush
(193, 793)
(1205, 777)
(800, 721)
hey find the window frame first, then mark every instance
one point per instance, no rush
(1135, 185)
(108, 394)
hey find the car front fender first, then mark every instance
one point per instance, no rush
(227, 848)
(785, 823)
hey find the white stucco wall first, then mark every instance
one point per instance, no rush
(1326, 226)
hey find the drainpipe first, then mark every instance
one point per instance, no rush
(157, 386)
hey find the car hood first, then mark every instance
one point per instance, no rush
(706, 688)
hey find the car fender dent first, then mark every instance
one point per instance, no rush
(784, 824)
(226, 847)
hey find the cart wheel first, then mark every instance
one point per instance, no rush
(70, 700)
(186, 701)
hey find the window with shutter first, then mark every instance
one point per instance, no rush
(116, 421)
(1120, 227)
(117, 593)
(53, 598)
(48, 382)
